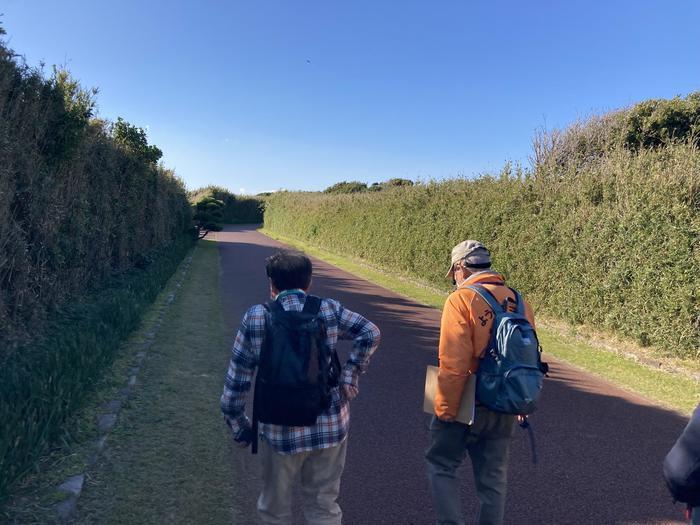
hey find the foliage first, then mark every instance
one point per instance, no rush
(612, 241)
(358, 187)
(647, 125)
(134, 140)
(654, 123)
(392, 183)
(238, 209)
(80, 207)
(74, 206)
(208, 215)
(177, 393)
(43, 382)
(346, 187)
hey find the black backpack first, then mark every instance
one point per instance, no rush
(296, 369)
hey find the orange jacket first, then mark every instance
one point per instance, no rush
(465, 331)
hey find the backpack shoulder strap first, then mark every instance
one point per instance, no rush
(312, 305)
(519, 304)
(486, 296)
(273, 307)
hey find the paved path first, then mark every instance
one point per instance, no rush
(600, 448)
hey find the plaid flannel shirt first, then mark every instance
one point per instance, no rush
(331, 427)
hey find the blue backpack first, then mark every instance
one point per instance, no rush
(511, 373)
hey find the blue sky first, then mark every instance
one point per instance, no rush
(300, 95)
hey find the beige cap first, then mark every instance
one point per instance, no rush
(472, 252)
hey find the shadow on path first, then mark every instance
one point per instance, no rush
(600, 449)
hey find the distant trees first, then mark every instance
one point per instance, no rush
(234, 209)
(397, 182)
(358, 187)
(346, 187)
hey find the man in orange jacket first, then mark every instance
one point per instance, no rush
(465, 331)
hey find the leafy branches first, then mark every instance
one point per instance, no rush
(133, 139)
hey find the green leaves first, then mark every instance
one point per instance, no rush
(134, 140)
(612, 243)
(237, 209)
(42, 383)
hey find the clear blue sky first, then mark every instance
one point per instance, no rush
(270, 94)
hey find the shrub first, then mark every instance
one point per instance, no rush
(79, 199)
(346, 187)
(90, 229)
(612, 242)
(208, 215)
(133, 139)
(659, 122)
(237, 209)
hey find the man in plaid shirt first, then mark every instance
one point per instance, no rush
(317, 452)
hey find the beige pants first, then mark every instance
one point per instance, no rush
(320, 472)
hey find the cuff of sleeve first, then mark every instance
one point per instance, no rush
(350, 375)
(236, 424)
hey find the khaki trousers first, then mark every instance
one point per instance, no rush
(319, 472)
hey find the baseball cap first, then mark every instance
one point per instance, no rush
(472, 252)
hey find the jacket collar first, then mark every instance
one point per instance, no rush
(285, 293)
(487, 276)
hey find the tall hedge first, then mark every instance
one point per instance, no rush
(238, 209)
(76, 204)
(91, 227)
(612, 242)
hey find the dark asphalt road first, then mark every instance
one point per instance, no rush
(600, 448)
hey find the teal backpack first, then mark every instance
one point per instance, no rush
(511, 373)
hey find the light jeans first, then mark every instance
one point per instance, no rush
(320, 472)
(487, 441)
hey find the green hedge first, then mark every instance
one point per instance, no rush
(238, 209)
(613, 243)
(80, 199)
(44, 382)
(91, 227)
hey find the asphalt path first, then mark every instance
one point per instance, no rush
(600, 448)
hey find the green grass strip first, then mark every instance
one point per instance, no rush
(168, 459)
(670, 390)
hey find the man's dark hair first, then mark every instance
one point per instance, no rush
(289, 269)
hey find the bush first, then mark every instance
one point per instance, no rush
(655, 123)
(612, 242)
(90, 229)
(346, 187)
(647, 125)
(237, 209)
(208, 215)
(80, 200)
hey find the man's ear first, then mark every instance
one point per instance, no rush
(273, 291)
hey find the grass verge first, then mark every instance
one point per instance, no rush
(167, 460)
(679, 391)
